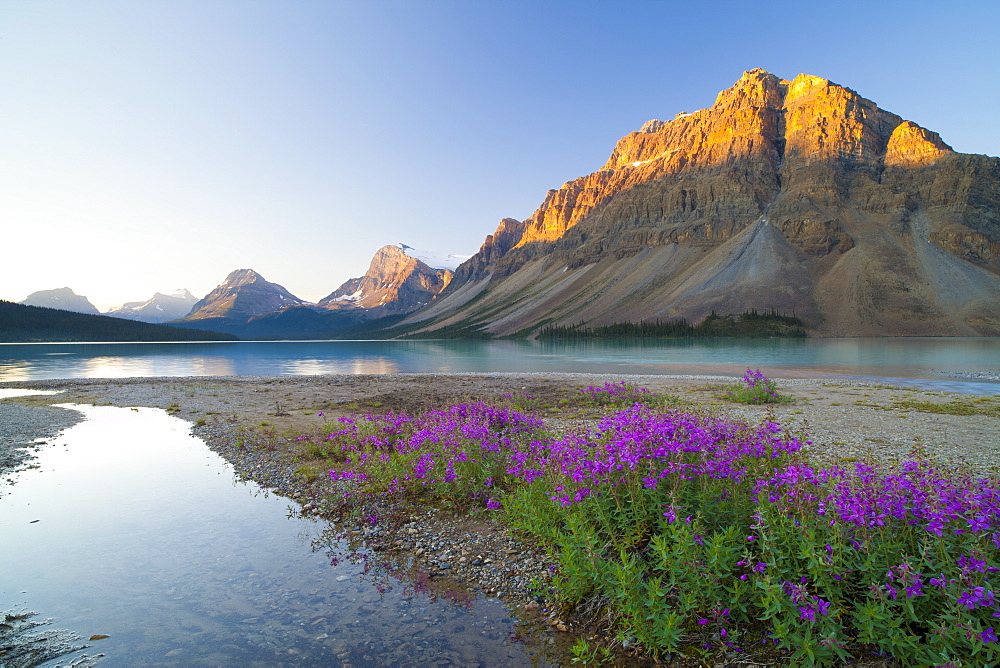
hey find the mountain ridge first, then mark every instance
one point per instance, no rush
(398, 281)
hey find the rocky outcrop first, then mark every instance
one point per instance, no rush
(912, 146)
(506, 237)
(876, 224)
(243, 295)
(158, 308)
(396, 282)
(61, 298)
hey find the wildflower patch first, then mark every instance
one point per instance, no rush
(756, 388)
(704, 536)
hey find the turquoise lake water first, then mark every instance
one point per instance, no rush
(970, 365)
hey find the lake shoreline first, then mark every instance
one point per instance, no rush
(249, 421)
(838, 414)
(24, 428)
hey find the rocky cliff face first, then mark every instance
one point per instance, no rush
(509, 234)
(243, 295)
(800, 196)
(61, 298)
(158, 308)
(396, 282)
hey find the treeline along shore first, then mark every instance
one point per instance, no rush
(20, 323)
(749, 324)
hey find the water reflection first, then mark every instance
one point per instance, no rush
(969, 364)
(107, 366)
(15, 370)
(364, 365)
(132, 528)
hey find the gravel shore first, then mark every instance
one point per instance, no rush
(251, 421)
(25, 427)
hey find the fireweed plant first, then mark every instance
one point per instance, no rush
(755, 389)
(702, 536)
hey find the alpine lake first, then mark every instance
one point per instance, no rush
(127, 529)
(968, 365)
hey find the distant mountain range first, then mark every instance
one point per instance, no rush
(794, 198)
(398, 281)
(158, 308)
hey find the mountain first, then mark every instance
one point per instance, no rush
(800, 197)
(30, 324)
(399, 279)
(159, 308)
(60, 298)
(243, 295)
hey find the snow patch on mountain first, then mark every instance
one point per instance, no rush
(357, 296)
(435, 260)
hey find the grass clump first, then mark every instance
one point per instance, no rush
(756, 389)
(980, 406)
(310, 472)
(620, 395)
(590, 401)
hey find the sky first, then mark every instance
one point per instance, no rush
(150, 145)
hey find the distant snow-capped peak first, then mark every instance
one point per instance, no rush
(435, 260)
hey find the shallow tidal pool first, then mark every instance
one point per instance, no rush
(130, 527)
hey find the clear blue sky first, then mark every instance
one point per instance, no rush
(149, 144)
